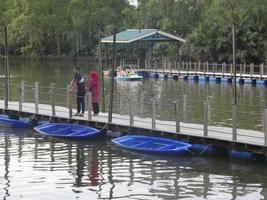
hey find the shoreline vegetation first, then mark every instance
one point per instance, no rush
(71, 28)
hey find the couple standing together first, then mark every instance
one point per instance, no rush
(93, 87)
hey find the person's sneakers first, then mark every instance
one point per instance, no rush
(77, 114)
(81, 115)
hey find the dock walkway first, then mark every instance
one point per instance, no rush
(248, 140)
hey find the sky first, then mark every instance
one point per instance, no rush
(133, 2)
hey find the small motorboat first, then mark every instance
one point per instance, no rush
(152, 144)
(127, 73)
(6, 120)
(130, 78)
(72, 131)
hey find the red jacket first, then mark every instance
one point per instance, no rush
(94, 87)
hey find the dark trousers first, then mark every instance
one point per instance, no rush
(80, 102)
(96, 108)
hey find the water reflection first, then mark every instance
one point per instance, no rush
(251, 99)
(31, 163)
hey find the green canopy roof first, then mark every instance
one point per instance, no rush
(133, 35)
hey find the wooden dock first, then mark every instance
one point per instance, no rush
(227, 137)
(202, 71)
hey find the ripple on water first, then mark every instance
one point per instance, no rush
(33, 167)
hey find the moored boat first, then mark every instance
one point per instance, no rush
(6, 120)
(152, 144)
(72, 131)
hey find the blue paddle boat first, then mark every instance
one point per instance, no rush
(5, 120)
(152, 144)
(72, 131)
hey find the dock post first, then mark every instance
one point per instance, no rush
(234, 122)
(21, 95)
(213, 68)
(89, 106)
(138, 63)
(179, 67)
(222, 70)
(261, 70)
(204, 68)
(131, 110)
(195, 67)
(185, 103)
(209, 109)
(199, 67)
(265, 126)
(231, 69)
(162, 65)
(171, 65)
(69, 101)
(251, 70)
(240, 70)
(52, 98)
(153, 113)
(205, 124)
(190, 66)
(36, 97)
(142, 100)
(177, 117)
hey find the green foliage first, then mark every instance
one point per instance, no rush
(212, 39)
(72, 27)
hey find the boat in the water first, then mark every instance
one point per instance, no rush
(19, 122)
(127, 73)
(152, 144)
(72, 131)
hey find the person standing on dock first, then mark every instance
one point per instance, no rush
(94, 89)
(81, 90)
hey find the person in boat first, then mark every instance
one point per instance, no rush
(81, 90)
(94, 89)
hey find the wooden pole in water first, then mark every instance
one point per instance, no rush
(234, 64)
(112, 80)
(102, 75)
(7, 73)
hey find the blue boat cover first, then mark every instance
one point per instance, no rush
(152, 144)
(72, 131)
(19, 123)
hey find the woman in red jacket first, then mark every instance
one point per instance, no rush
(94, 89)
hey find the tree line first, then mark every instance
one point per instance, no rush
(72, 27)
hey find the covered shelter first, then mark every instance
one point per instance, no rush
(142, 41)
(129, 42)
(134, 35)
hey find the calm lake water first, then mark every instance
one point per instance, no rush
(251, 99)
(36, 167)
